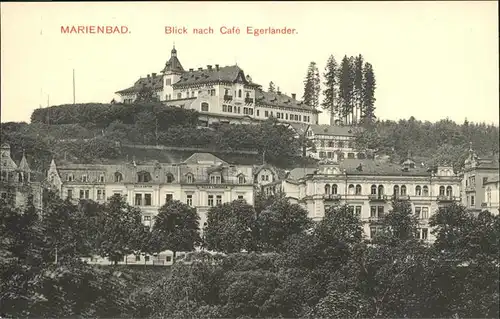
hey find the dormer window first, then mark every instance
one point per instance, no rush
(85, 178)
(143, 177)
(215, 179)
(241, 179)
(118, 177)
(70, 178)
(170, 178)
(189, 178)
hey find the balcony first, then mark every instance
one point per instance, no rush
(334, 197)
(248, 100)
(377, 198)
(470, 188)
(400, 197)
(445, 198)
(228, 97)
(375, 219)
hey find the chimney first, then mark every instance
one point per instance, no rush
(200, 69)
(153, 74)
(148, 75)
(294, 96)
(191, 70)
(278, 91)
(209, 67)
(217, 67)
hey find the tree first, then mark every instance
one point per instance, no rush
(230, 227)
(346, 89)
(340, 224)
(330, 101)
(369, 86)
(312, 86)
(176, 228)
(358, 87)
(278, 222)
(271, 88)
(119, 228)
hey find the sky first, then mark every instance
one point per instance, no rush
(432, 60)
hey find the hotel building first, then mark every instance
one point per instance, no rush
(220, 94)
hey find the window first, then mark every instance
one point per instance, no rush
(101, 179)
(118, 177)
(137, 257)
(170, 178)
(82, 194)
(396, 190)
(425, 233)
(239, 93)
(147, 199)
(241, 179)
(373, 211)
(84, 178)
(373, 232)
(210, 200)
(358, 210)
(403, 190)
(168, 198)
(449, 191)
(204, 107)
(189, 200)
(425, 191)
(70, 193)
(179, 96)
(87, 194)
(240, 197)
(441, 190)
(425, 212)
(138, 199)
(351, 189)
(341, 144)
(266, 113)
(212, 92)
(70, 177)
(322, 154)
(4, 176)
(146, 258)
(334, 189)
(215, 179)
(358, 189)
(258, 113)
(418, 191)
(472, 202)
(99, 194)
(143, 177)
(147, 220)
(418, 212)
(263, 177)
(380, 211)
(218, 200)
(267, 177)
(189, 178)
(373, 190)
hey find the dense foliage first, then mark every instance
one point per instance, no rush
(434, 143)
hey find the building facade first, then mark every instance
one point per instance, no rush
(220, 93)
(368, 187)
(18, 182)
(480, 183)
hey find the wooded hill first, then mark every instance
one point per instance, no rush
(97, 132)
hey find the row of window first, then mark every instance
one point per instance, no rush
(341, 155)
(397, 190)
(421, 233)
(236, 109)
(145, 177)
(339, 144)
(286, 116)
(21, 177)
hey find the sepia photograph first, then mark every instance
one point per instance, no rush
(275, 159)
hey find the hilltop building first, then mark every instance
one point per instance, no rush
(480, 183)
(18, 182)
(368, 186)
(220, 93)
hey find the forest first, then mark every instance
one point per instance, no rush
(268, 261)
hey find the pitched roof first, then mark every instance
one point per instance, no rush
(217, 74)
(334, 130)
(301, 172)
(173, 64)
(204, 158)
(153, 81)
(488, 163)
(299, 127)
(380, 168)
(23, 165)
(280, 100)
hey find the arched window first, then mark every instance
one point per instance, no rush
(396, 190)
(374, 190)
(20, 177)
(170, 178)
(143, 177)
(239, 93)
(204, 107)
(425, 191)
(418, 191)
(327, 189)
(241, 179)
(441, 190)
(248, 95)
(334, 189)
(351, 189)
(118, 177)
(189, 178)
(449, 191)
(380, 190)
(340, 144)
(403, 190)
(358, 189)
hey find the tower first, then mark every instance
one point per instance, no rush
(171, 74)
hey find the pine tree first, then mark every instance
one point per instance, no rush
(312, 86)
(369, 85)
(271, 87)
(346, 87)
(358, 87)
(330, 101)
